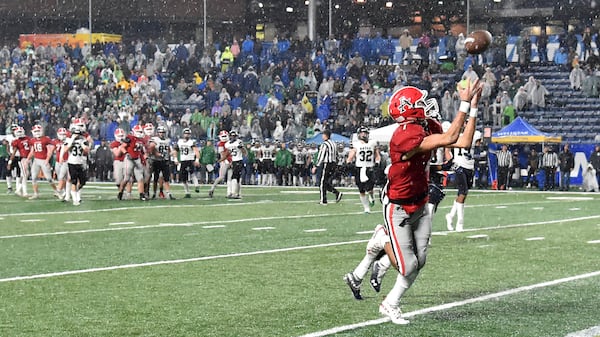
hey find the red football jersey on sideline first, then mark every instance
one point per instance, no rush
(408, 179)
(39, 146)
(22, 145)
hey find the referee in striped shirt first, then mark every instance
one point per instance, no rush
(327, 162)
(504, 165)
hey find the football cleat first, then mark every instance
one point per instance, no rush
(354, 285)
(197, 189)
(338, 197)
(120, 196)
(188, 196)
(375, 281)
(161, 194)
(171, 197)
(371, 200)
(211, 193)
(34, 196)
(393, 312)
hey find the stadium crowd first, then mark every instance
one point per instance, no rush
(282, 91)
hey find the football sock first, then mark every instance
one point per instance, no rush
(384, 266)
(365, 202)
(402, 284)
(8, 181)
(363, 267)
(454, 209)
(460, 216)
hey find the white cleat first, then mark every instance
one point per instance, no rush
(449, 222)
(33, 197)
(394, 313)
(459, 227)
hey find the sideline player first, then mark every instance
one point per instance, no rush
(78, 147)
(160, 149)
(20, 151)
(237, 151)
(189, 158)
(41, 152)
(224, 163)
(365, 155)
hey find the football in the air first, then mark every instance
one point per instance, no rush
(478, 41)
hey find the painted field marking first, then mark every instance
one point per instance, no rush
(591, 332)
(32, 220)
(215, 226)
(570, 198)
(76, 221)
(315, 230)
(537, 208)
(440, 233)
(501, 207)
(478, 236)
(121, 223)
(536, 238)
(262, 228)
(451, 305)
(168, 262)
(484, 246)
(594, 241)
(365, 232)
(575, 209)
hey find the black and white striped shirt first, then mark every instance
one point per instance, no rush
(504, 159)
(327, 153)
(550, 159)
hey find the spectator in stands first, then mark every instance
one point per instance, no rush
(561, 58)
(461, 53)
(542, 43)
(447, 106)
(524, 50)
(470, 74)
(508, 114)
(586, 49)
(576, 77)
(538, 96)
(520, 100)
(405, 43)
(505, 84)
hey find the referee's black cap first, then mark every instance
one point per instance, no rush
(327, 133)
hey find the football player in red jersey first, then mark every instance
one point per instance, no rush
(20, 145)
(41, 152)
(406, 217)
(134, 149)
(61, 168)
(224, 163)
(119, 159)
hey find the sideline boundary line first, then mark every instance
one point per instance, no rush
(451, 305)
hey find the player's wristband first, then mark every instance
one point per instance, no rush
(464, 106)
(473, 113)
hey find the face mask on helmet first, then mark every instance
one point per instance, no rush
(37, 131)
(119, 134)
(363, 134)
(410, 103)
(224, 136)
(162, 132)
(138, 131)
(19, 132)
(77, 125)
(61, 134)
(149, 129)
(187, 133)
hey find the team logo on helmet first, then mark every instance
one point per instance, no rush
(138, 131)
(410, 103)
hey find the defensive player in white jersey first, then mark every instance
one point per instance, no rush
(300, 165)
(189, 157)
(257, 167)
(14, 171)
(365, 155)
(224, 163)
(312, 157)
(267, 155)
(78, 148)
(464, 164)
(238, 150)
(160, 150)
(148, 169)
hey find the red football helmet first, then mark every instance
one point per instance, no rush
(61, 133)
(119, 134)
(410, 103)
(138, 131)
(224, 136)
(37, 131)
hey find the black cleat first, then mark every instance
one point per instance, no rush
(338, 197)
(197, 189)
(210, 193)
(120, 196)
(171, 197)
(188, 196)
(375, 283)
(354, 285)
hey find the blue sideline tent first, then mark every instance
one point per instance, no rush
(317, 139)
(519, 131)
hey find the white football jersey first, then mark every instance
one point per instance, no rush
(268, 152)
(9, 139)
(186, 149)
(437, 156)
(300, 156)
(235, 148)
(464, 158)
(365, 153)
(76, 155)
(256, 151)
(163, 146)
(343, 155)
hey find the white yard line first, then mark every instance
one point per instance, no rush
(451, 305)
(167, 262)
